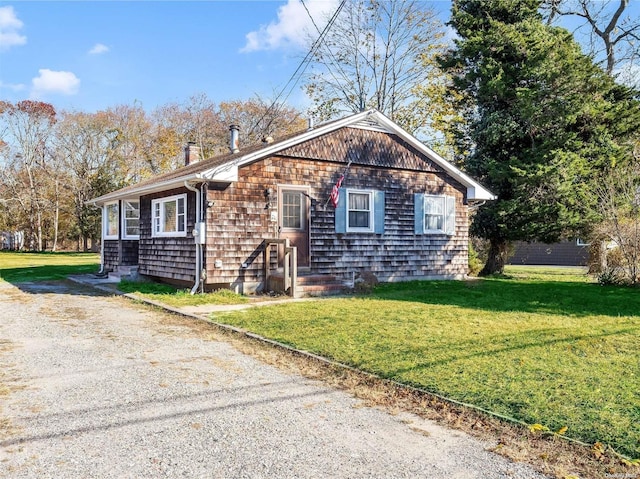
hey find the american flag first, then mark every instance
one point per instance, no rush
(335, 193)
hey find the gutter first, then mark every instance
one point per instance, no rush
(475, 206)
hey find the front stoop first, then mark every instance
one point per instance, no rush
(125, 272)
(309, 284)
(320, 285)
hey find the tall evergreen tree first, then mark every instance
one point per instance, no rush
(541, 121)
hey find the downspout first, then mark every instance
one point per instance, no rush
(198, 245)
(101, 272)
(203, 243)
(101, 241)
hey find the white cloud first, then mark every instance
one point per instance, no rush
(9, 29)
(292, 27)
(12, 86)
(98, 48)
(65, 83)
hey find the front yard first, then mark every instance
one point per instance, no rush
(544, 347)
(17, 267)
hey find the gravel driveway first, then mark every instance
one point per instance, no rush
(104, 388)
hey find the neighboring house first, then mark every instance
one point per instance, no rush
(573, 252)
(402, 211)
(13, 240)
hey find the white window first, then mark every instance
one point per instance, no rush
(293, 210)
(111, 221)
(359, 210)
(131, 219)
(169, 216)
(435, 214)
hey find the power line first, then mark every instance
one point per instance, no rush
(335, 61)
(297, 74)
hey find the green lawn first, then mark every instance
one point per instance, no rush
(179, 297)
(17, 267)
(544, 346)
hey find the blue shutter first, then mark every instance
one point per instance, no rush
(450, 216)
(418, 211)
(378, 212)
(341, 211)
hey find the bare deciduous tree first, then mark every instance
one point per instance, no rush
(372, 58)
(29, 126)
(257, 119)
(85, 152)
(613, 34)
(619, 203)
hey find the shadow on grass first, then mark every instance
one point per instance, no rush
(503, 295)
(44, 273)
(523, 341)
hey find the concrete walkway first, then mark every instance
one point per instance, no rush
(203, 310)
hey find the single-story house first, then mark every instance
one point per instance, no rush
(234, 221)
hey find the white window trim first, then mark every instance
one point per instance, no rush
(305, 213)
(162, 201)
(124, 220)
(443, 198)
(445, 215)
(105, 221)
(371, 227)
(581, 242)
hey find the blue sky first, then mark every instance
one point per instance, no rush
(91, 55)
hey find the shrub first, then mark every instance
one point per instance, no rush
(612, 276)
(475, 263)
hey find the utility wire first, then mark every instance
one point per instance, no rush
(297, 74)
(335, 61)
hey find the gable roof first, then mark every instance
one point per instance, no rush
(225, 168)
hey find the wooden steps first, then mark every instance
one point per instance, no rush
(316, 284)
(124, 272)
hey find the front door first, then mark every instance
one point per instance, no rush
(293, 220)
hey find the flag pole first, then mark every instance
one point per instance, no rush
(344, 174)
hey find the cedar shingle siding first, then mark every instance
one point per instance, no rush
(120, 253)
(363, 147)
(171, 258)
(111, 258)
(239, 222)
(240, 217)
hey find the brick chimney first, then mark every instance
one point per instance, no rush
(191, 153)
(235, 133)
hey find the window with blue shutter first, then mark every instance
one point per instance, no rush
(378, 212)
(450, 216)
(434, 214)
(360, 211)
(341, 211)
(418, 216)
